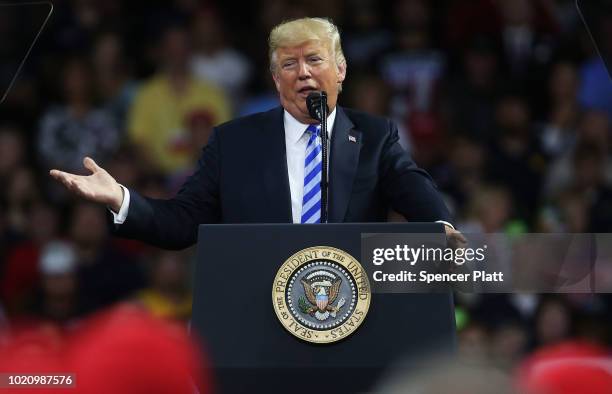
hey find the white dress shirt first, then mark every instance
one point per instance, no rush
(296, 140)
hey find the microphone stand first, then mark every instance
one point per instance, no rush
(325, 159)
(317, 108)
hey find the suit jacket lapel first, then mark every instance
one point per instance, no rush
(275, 173)
(344, 157)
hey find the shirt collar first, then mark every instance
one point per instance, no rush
(294, 129)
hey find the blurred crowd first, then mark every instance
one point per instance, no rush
(505, 103)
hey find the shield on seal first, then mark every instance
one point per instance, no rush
(322, 301)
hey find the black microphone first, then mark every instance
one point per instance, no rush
(315, 102)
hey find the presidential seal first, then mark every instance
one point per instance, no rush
(321, 294)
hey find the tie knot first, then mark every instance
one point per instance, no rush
(314, 129)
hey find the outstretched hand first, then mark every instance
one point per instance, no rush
(99, 187)
(454, 238)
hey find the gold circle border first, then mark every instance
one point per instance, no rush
(305, 256)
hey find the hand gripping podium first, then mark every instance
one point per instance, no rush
(251, 351)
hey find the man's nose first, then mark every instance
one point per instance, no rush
(304, 70)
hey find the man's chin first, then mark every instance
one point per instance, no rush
(297, 110)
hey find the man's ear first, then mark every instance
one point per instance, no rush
(341, 72)
(276, 81)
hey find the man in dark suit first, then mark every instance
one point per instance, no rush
(265, 168)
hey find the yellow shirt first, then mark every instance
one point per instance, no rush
(161, 307)
(159, 119)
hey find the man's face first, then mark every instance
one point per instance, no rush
(302, 69)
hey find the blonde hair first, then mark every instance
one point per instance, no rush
(298, 31)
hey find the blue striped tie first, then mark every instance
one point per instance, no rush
(311, 203)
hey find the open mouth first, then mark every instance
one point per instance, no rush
(305, 91)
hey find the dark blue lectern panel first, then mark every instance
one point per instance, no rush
(233, 310)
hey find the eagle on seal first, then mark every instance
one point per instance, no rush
(321, 289)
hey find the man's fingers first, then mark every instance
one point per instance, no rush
(69, 180)
(71, 183)
(460, 236)
(59, 175)
(77, 184)
(90, 164)
(55, 174)
(458, 240)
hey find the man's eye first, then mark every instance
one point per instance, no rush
(288, 64)
(314, 58)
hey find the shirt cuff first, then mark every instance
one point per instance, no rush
(445, 223)
(119, 218)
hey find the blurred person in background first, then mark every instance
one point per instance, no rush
(58, 282)
(366, 37)
(515, 155)
(158, 118)
(472, 93)
(106, 274)
(168, 295)
(21, 275)
(567, 213)
(5, 236)
(369, 93)
(12, 152)
(509, 341)
(553, 321)
(526, 45)
(592, 311)
(199, 128)
(156, 356)
(113, 79)
(526, 32)
(214, 59)
(77, 127)
(412, 66)
(22, 190)
(3, 325)
(415, 70)
(593, 130)
(589, 166)
(473, 342)
(128, 165)
(445, 376)
(265, 99)
(465, 172)
(490, 210)
(559, 130)
(80, 21)
(566, 368)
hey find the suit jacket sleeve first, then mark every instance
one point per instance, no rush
(173, 223)
(408, 188)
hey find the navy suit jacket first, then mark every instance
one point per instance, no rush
(242, 177)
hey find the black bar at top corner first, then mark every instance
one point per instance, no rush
(21, 24)
(597, 18)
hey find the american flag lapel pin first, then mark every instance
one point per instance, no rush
(352, 138)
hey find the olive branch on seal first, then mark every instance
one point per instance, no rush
(304, 306)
